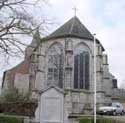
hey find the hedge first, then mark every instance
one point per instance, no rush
(91, 120)
(18, 108)
(11, 119)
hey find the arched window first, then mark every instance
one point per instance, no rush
(81, 68)
(55, 66)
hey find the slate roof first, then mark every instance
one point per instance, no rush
(72, 28)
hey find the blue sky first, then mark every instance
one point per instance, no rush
(106, 18)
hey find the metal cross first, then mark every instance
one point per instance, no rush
(75, 10)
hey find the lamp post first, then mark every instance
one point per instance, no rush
(94, 78)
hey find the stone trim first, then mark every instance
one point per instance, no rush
(77, 90)
(40, 71)
(82, 91)
(41, 55)
(106, 78)
(99, 71)
(69, 51)
(99, 56)
(68, 67)
(105, 64)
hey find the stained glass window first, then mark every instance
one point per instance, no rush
(81, 69)
(55, 66)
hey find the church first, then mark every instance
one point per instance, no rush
(62, 63)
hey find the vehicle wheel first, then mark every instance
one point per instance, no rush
(114, 113)
(122, 113)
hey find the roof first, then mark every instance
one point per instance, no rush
(72, 28)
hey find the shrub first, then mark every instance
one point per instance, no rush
(16, 103)
(13, 95)
(11, 119)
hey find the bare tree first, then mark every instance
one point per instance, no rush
(16, 21)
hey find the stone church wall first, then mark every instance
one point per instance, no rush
(41, 73)
(22, 82)
(10, 75)
(69, 67)
(76, 102)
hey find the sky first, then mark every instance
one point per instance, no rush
(106, 18)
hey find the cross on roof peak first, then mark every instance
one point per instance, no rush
(75, 10)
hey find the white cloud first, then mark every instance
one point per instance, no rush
(115, 10)
(114, 42)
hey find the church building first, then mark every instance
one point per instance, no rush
(62, 64)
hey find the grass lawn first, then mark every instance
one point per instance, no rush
(10, 119)
(91, 120)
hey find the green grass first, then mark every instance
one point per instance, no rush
(91, 120)
(11, 119)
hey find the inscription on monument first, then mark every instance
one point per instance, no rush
(51, 107)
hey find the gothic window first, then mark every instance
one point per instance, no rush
(55, 66)
(81, 69)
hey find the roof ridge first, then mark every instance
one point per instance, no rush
(72, 25)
